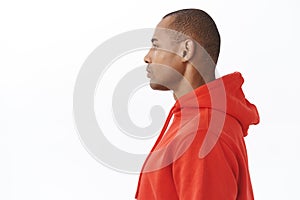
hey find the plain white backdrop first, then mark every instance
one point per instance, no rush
(43, 45)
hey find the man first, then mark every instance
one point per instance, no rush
(202, 154)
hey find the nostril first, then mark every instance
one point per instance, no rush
(147, 58)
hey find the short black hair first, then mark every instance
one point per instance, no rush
(198, 25)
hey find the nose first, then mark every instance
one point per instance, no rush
(147, 58)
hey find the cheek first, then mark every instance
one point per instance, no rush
(166, 65)
(159, 56)
(165, 58)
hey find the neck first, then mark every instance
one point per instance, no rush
(190, 82)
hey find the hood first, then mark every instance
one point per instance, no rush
(224, 94)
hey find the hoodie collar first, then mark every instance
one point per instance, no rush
(224, 94)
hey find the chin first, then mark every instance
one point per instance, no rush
(156, 86)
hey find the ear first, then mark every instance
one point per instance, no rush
(187, 50)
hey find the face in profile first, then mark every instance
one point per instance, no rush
(165, 68)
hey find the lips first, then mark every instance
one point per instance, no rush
(148, 69)
(149, 72)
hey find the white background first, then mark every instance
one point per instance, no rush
(43, 45)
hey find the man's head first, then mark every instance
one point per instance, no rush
(183, 39)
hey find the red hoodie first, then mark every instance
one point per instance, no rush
(202, 155)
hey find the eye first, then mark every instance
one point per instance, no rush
(154, 46)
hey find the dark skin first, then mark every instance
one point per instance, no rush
(171, 65)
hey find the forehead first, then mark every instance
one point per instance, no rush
(166, 22)
(162, 31)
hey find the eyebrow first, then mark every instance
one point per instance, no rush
(153, 40)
